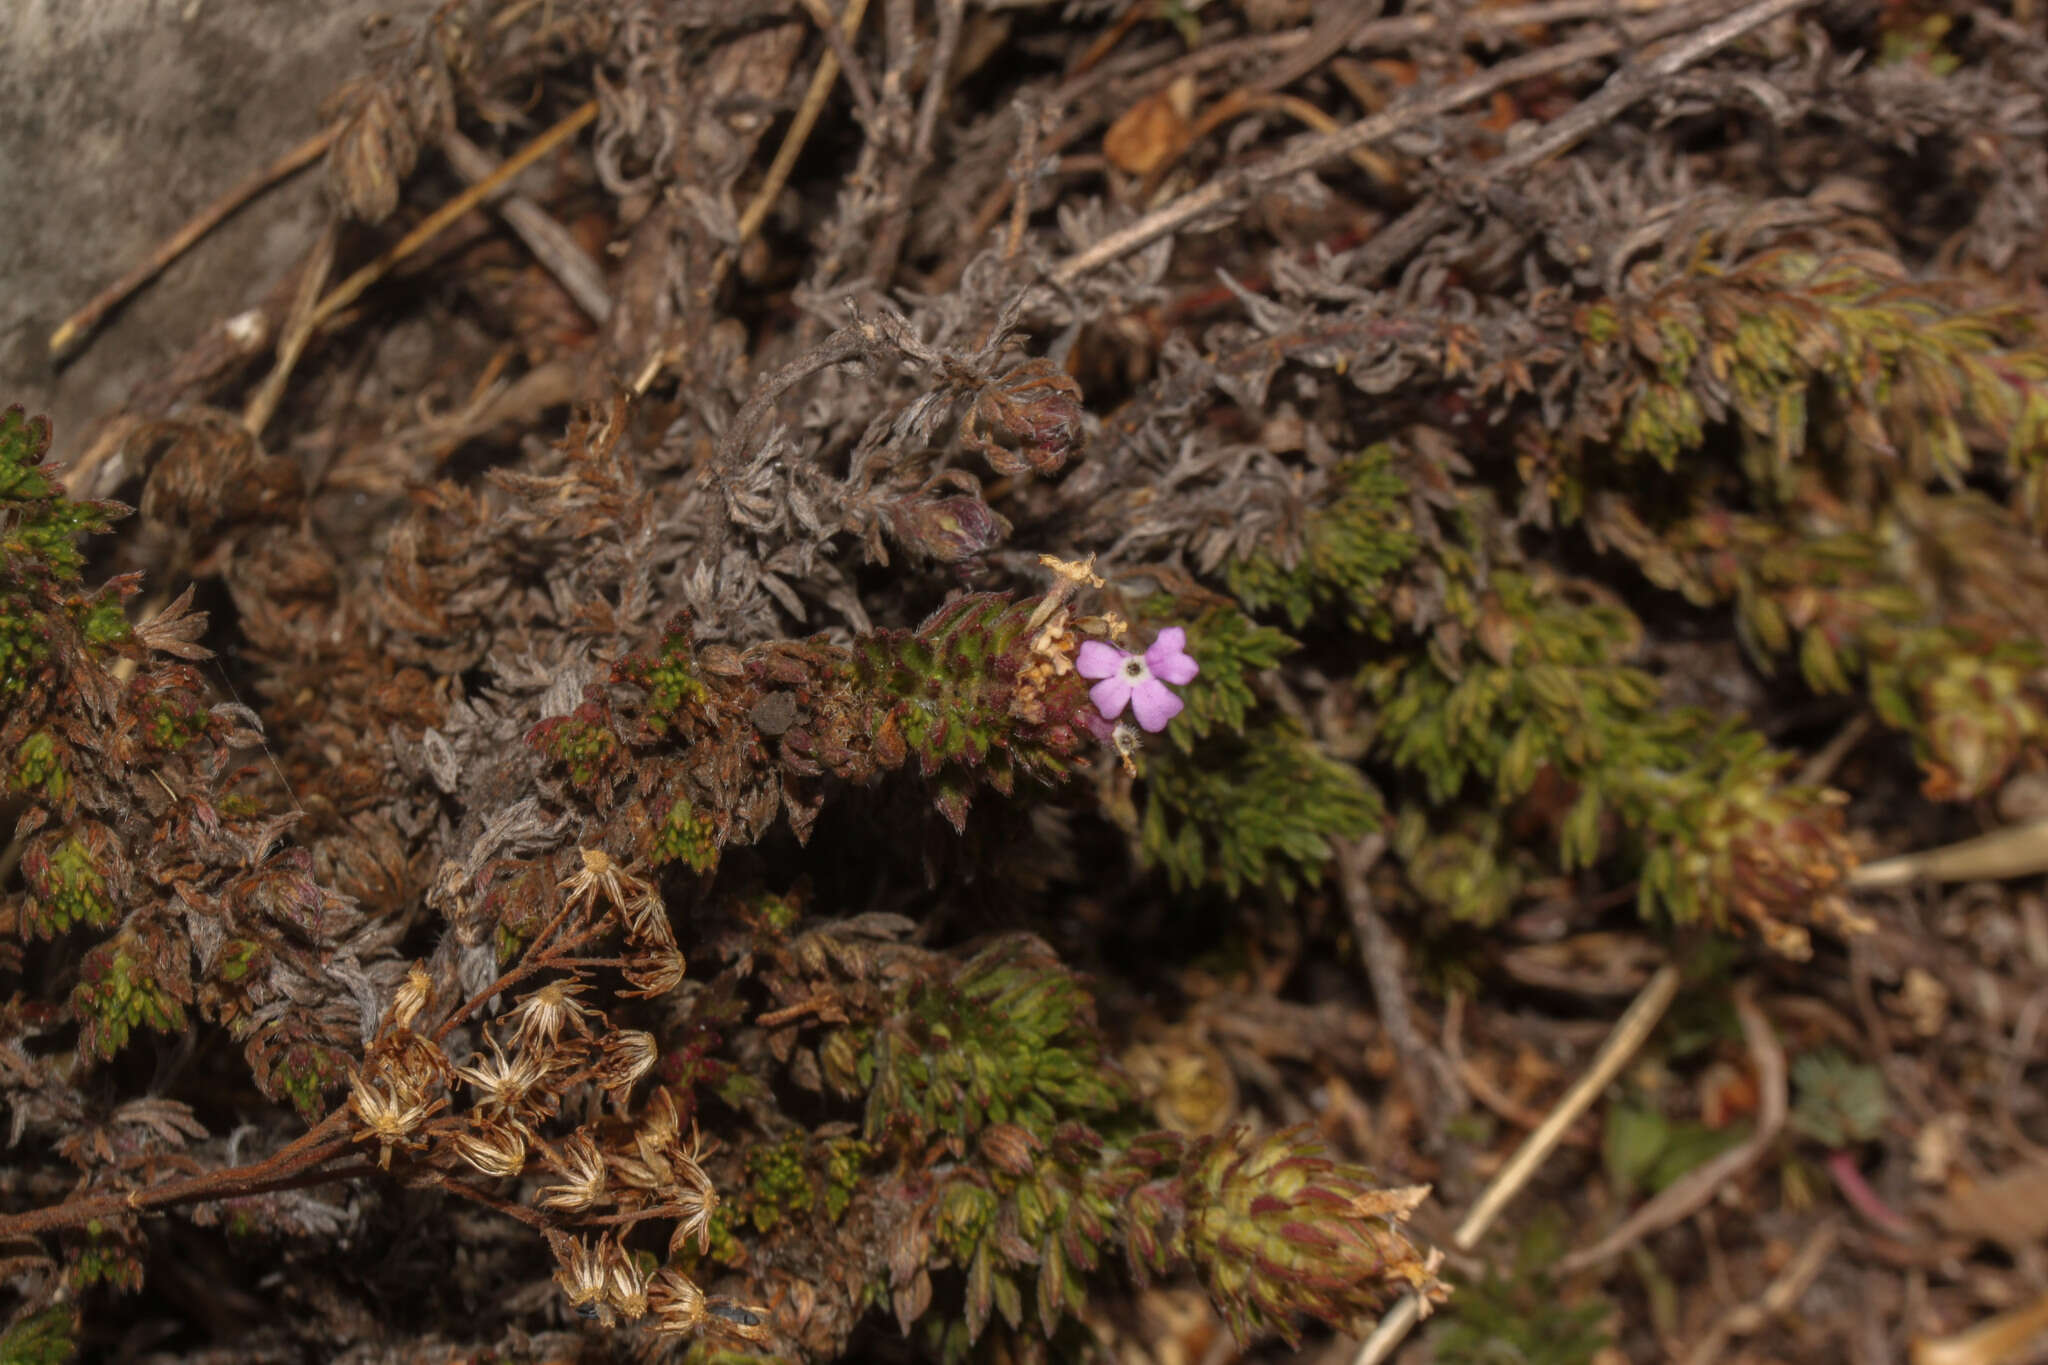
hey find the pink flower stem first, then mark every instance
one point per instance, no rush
(1856, 1190)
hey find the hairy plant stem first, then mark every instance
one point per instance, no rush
(287, 1168)
(299, 1162)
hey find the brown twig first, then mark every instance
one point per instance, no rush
(1310, 152)
(1626, 1038)
(1106, 41)
(1442, 1096)
(298, 330)
(901, 176)
(1393, 33)
(1778, 1298)
(800, 127)
(1822, 765)
(1691, 1191)
(560, 254)
(463, 1189)
(80, 323)
(530, 962)
(1240, 102)
(841, 42)
(1335, 27)
(1637, 80)
(283, 1169)
(352, 288)
(848, 343)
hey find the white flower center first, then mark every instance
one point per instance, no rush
(1135, 671)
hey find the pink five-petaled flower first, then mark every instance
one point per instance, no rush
(1139, 680)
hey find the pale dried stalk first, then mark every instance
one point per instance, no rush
(298, 330)
(351, 289)
(1778, 1297)
(2020, 851)
(1627, 1038)
(799, 128)
(558, 252)
(1310, 153)
(1991, 1342)
(206, 220)
(1690, 1192)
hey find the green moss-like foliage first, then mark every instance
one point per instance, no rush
(1503, 1320)
(664, 674)
(1838, 1101)
(1900, 368)
(40, 559)
(1462, 861)
(1546, 710)
(38, 524)
(1028, 1231)
(1240, 796)
(1010, 1038)
(1548, 686)
(583, 743)
(1023, 1161)
(954, 696)
(124, 986)
(39, 769)
(681, 758)
(46, 1338)
(1350, 554)
(1260, 808)
(1931, 611)
(67, 883)
(686, 835)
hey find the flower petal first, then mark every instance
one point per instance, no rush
(1169, 659)
(1109, 697)
(1154, 705)
(1098, 660)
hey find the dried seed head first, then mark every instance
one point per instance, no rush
(496, 1149)
(624, 1057)
(625, 1284)
(647, 918)
(582, 1168)
(694, 1196)
(676, 1302)
(541, 1015)
(655, 971)
(389, 1108)
(503, 1085)
(661, 1125)
(414, 1062)
(600, 876)
(412, 997)
(580, 1271)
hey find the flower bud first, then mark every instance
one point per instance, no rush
(949, 529)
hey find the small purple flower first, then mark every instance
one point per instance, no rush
(1141, 682)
